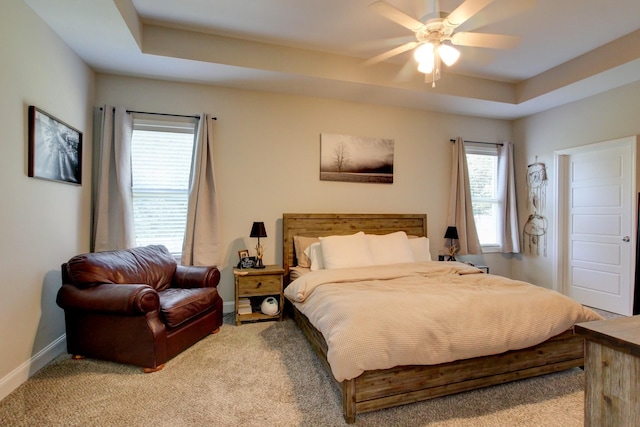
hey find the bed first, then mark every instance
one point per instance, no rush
(374, 389)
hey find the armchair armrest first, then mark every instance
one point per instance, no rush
(195, 276)
(128, 299)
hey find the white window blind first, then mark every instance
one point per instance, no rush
(161, 161)
(482, 163)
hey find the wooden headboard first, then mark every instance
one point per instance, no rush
(316, 225)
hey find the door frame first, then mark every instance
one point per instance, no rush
(560, 213)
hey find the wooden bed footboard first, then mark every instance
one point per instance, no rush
(386, 388)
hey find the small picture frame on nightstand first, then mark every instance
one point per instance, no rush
(248, 262)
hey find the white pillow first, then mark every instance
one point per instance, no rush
(420, 248)
(314, 253)
(346, 251)
(392, 248)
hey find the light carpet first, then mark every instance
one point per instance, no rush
(263, 374)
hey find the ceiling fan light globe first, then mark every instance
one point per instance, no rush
(424, 53)
(426, 67)
(448, 54)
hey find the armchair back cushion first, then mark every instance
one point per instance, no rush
(152, 265)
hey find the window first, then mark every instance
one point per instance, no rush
(482, 162)
(161, 155)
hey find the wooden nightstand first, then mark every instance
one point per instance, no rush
(258, 284)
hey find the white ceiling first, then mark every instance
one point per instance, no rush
(316, 48)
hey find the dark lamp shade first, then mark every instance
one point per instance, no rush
(258, 230)
(451, 233)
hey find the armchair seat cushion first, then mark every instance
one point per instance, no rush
(178, 306)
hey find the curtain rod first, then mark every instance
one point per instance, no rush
(480, 142)
(167, 114)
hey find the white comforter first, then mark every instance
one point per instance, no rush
(426, 313)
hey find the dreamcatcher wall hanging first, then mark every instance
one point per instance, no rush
(534, 233)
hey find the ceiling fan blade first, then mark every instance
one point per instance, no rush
(493, 41)
(380, 45)
(465, 11)
(396, 15)
(407, 72)
(388, 54)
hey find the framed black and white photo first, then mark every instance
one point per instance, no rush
(356, 159)
(55, 149)
(248, 262)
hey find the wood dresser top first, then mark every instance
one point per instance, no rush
(621, 334)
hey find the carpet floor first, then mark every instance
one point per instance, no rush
(263, 374)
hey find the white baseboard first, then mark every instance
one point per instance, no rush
(38, 361)
(228, 307)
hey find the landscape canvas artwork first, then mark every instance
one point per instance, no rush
(356, 159)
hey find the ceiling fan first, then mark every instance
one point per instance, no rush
(435, 37)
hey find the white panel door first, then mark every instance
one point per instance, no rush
(599, 224)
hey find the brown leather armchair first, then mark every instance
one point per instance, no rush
(137, 306)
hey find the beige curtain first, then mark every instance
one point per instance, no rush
(113, 212)
(508, 215)
(460, 208)
(202, 236)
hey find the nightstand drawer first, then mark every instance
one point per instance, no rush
(260, 284)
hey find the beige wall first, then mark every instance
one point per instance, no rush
(613, 114)
(267, 152)
(42, 223)
(267, 156)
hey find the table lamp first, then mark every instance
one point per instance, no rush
(258, 230)
(451, 234)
